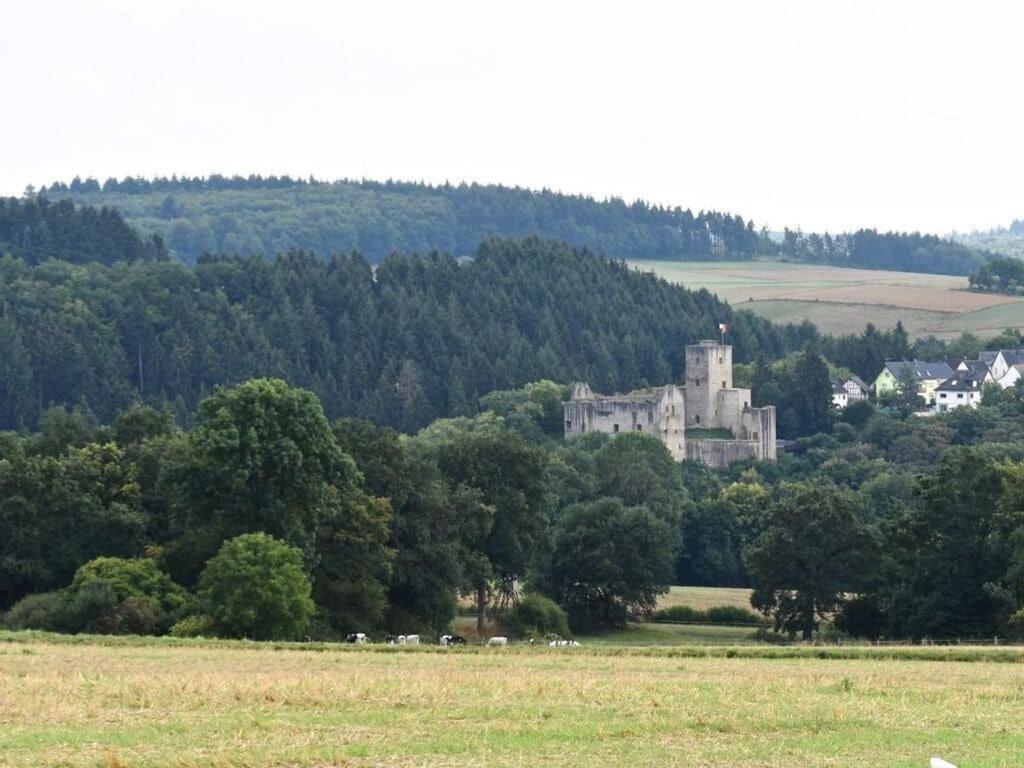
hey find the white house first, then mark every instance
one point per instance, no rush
(958, 392)
(849, 391)
(1006, 365)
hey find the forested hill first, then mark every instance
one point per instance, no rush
(36, 229)
(869, 249)
(418, 338)
(269, 215)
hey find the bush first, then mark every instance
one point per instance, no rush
(194, 626)
(723, 614)
(46, 611)
(536, 616)
(256, 587)
(144, 599)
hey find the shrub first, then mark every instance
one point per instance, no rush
(536, 616)
(256, 587)
(733, 614)
(861, 617)
(682, 613)
(146, 601)
(46, 610)
(194, 626)
(723, 614)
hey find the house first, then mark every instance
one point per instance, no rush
(928, 375)
(975, 369)
(958, 392)
(1006, 365)
(849, 391)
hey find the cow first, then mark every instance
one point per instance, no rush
(355, 637)
(562, 644)
(412, 639)
(498, 641)
(447, 640)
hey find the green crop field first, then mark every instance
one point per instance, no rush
(839, 300)
(133, 702)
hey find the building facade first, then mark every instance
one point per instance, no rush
(706, 419)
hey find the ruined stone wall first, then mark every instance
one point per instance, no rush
(759, 427)
(609, 415)
(672, 421)
(720, 453)
(729, 406)
(708, 370)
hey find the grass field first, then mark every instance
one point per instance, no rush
(839, 300)
(133, 702)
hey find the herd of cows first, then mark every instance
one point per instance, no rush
(360, 638)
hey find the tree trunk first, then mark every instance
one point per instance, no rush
(481, 607)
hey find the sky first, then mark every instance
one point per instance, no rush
(822, 115)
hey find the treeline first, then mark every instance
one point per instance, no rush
(265, 520)
(35, 230)
(270, 215)
(869, 249)
(1005, 275)
(415, 339)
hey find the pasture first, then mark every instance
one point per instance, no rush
(840, 300)
(137, 702)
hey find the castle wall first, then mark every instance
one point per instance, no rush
(672, 421)
(759, 427)
(609, 415)
(729, 406)
(720, 453)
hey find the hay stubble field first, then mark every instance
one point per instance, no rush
(199, 704)
(841, 300)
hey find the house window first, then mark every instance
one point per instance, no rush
(696, 382)
(568, 423)
(745, 404)
(696, 418)
(615, 427)
(755, 435)
(723, 385)
(942, 395)
(959, 395)
(639, 427)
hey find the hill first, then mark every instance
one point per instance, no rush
(841, 300)
(415, 339)
(258, 215)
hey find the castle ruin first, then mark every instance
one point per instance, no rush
(707, 419)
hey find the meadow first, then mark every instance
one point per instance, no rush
(839, 300)
(136, 702)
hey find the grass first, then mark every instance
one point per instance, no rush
(703, 433)
(121, 702)
(839, 300)
(703, 598)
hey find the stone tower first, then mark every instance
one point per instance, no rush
(672, 421)
(708, 370)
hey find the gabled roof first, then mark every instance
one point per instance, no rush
(988, 356)
(1013, 356)
(960, 384)
(839, 388)
(975, 368)
(921, 369)
(858, 381)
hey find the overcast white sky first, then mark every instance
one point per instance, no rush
(818, 114)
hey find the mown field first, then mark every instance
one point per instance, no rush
(151, 703)
(839, 300)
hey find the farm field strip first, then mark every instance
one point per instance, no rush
(839, 299)
(202, 704)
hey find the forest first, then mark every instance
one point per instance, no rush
(270, 215)
(900, 251)
(417, 338)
